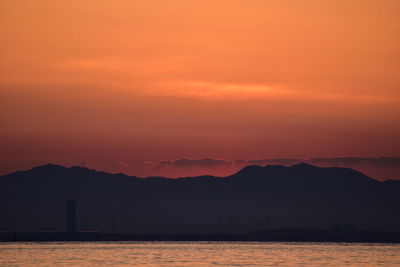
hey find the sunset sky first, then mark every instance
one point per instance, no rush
(128, 83)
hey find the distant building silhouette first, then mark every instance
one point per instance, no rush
(113, 224)
(71, 216)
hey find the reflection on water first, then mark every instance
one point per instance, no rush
(199, 254)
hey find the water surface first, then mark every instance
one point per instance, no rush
(198, 254)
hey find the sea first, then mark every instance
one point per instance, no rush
(198, 254)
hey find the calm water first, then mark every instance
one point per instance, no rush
(198, 254)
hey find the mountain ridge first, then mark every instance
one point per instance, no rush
(298, 167)
(300, 196)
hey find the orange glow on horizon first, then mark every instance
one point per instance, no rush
(154, 80)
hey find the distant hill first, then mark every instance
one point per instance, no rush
(254, 199)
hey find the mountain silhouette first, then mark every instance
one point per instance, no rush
(254, 199)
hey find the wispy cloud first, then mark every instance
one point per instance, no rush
(377, 167)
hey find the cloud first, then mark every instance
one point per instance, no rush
(194, 163)
(222, 91)
(262, 162)
(354, 161)
(121, 163)
(335, 161)
(380, 167)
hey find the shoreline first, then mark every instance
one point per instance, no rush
(282, 235)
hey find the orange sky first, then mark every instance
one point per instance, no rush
(134, 81)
